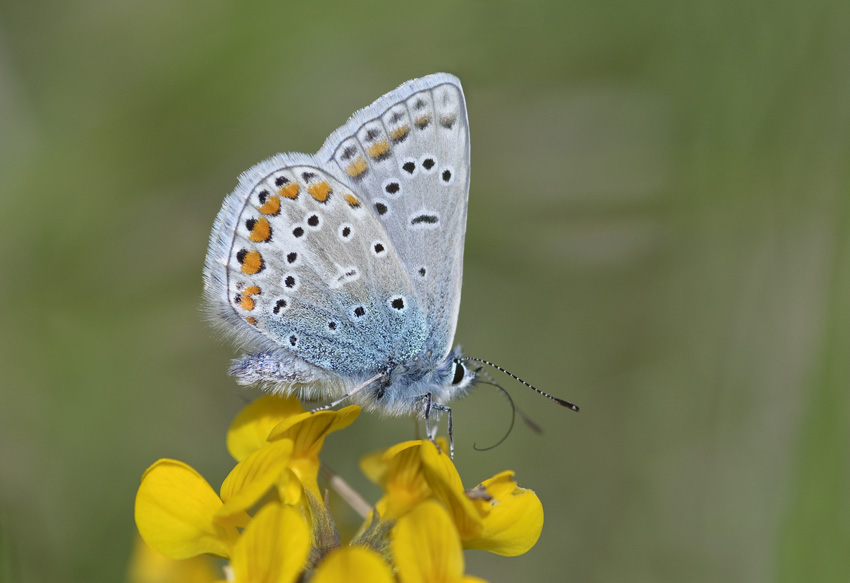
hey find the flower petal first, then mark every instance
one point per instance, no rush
(446, 484)
(290, 490)
(373, 467)
(253, 477)
(252, 425)
(399, 471)
(174, 512)
(378, 464)
(426, 547)
(513, 518)
(273, 548)
(308, 431)
(354, 564)
(403, 480)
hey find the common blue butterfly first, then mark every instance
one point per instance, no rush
(340, 272)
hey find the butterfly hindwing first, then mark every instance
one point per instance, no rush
(300, 266)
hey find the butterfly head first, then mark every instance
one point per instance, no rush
(453, 378)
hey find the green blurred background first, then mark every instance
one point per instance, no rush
(658, 230)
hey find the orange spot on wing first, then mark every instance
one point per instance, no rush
(356, 168)
(352, 200)
(252, 262)
(251, 320)
(320, 191)
(290, 191)
(245, 300)
(422, 122)
(399, 133)
(378, 149)
(271, 206)
(261, 231)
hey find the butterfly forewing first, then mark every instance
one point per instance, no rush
(407, 156)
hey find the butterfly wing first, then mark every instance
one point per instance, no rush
(299, 267)
(341, 265)
(407, 154)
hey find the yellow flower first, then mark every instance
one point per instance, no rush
(253, 477)
(272, 418)
(252, 425)
(442, 476)
(353, 564)
(513, 517)
(308, 432)
(426, 547)
(179, 514)
(175, 513)
(499, 517)
(274, 547)
(398, 470)
(422, 524)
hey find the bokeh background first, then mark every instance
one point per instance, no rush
(658, 231)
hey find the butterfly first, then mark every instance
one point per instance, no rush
(340, 272)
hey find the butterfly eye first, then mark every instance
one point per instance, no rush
(460, 372)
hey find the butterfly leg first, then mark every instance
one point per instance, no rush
(426, 398)
(347, 395)
(448, 411)
(432, 432)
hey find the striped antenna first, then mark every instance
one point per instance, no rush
(561, 402)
